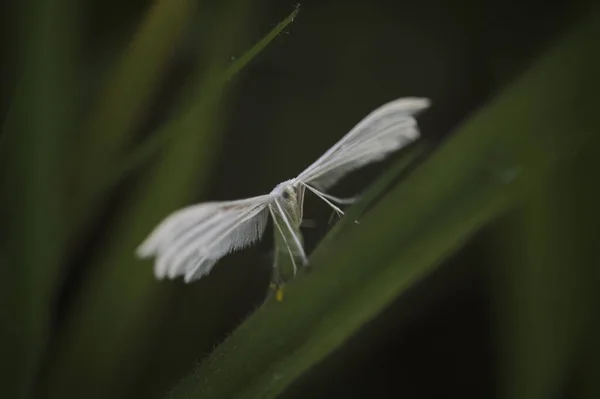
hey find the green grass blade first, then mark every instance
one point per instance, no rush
(484, 169)
(241, 62)
(546, 276)
(35, 132)
(124, 98)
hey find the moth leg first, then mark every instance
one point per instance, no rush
(284, 240)
(341, 201)
(324, 198)
(276, 279)
(294, 236)
(309, 223)
(332, 216)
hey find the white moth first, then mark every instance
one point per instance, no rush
(191, 240)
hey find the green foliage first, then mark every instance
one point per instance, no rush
(83, 185)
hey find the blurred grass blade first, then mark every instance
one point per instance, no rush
(153, 144)
(479, 173)
(118, 316)
(125, 96)
(241, 62)
(536, 289)
(547, 278)
(36, 128)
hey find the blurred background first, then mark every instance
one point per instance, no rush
(117, 113)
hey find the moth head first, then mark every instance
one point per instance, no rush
(286, 191)
(290, 195)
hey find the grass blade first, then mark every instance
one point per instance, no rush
(546, 278)
(124, 98)
(35, 133)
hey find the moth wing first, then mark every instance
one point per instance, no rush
(190, 241)
(383, 131)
